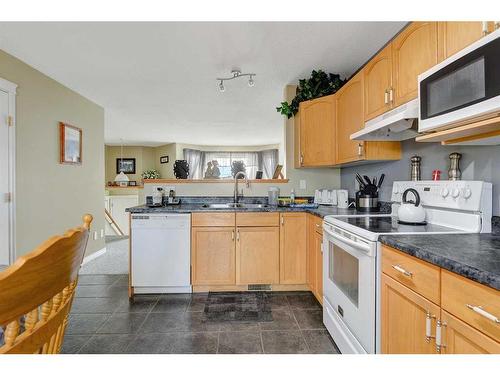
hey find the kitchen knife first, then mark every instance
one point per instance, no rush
(361, 183)
(382, 176)
(367, 179)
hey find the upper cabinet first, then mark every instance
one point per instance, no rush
(350, 119)
(378, 83)
(454, 36)
(317, 132)
(414, 51)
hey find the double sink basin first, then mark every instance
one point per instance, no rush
(223, 206)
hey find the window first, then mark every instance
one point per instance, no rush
(221, 163)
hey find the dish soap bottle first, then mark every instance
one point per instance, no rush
(292, 196)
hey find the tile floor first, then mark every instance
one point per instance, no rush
(103, 320)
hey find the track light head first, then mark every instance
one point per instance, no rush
(221, 86)
(251, 82)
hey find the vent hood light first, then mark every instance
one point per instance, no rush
(396, 125)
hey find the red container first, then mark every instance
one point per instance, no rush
(436, 175)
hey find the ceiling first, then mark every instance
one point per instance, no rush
(157, 83)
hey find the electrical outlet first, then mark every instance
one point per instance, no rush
(102, 233)
(95, 235)
(302, 185)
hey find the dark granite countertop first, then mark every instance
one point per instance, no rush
(474, 256)
(321, 211)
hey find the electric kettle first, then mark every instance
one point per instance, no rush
(411, 212)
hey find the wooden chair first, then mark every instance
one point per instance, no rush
(36, 293)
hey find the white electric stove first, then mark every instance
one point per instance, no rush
(351, 253)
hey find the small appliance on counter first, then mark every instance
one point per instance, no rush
(367, 196)
(273, 194)
(327, 197)
(342, 198)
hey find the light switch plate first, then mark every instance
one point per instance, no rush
(303, 185)
(95, 235)
(102, 233)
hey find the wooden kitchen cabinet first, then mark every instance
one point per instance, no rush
(293, 248)
(257, 255)
(350, 119)
(315, 256)
(317, 132)
(404, 314)
(213, 255)
(405, 310)
(414, 51)
(454, 36)
(318, 249)
(378, 83)
(460, 338)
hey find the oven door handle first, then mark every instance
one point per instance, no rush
(357, 245)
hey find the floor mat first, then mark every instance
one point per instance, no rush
(238, 306)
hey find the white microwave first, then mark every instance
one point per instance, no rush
(462, 88)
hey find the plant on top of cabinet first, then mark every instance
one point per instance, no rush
(318, 85)
(151, 174)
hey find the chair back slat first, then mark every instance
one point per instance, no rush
(36, 293)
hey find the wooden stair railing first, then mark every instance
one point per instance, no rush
(36, 293)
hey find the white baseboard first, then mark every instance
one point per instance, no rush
(93, 256)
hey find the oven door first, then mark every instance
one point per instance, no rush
(349, 285)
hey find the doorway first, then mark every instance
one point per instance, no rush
(7, 172)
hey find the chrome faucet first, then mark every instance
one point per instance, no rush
(240, 173)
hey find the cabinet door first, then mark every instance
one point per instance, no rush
(317, 132)
(257, 255)
(404, 314)
(293, 248)
(460, 338)
(118, 206)
(213, 255)
(350, 119)
(318, 242)
(311, 253)
(378, 81)
(454, 36)
(413, 52)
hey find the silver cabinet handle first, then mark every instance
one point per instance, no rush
(360, 149)
(439, 335)
(485, 27)
(428, 326)
(497, 25)
(301, 158)
(386, 97)
(398, 268)
(238, 235)
(282, 220)
(486, 314)
(391, 95)
(232, 235)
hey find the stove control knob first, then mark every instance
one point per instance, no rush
(467, 193)
(444, 192)
(455, 193)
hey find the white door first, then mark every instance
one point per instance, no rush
(5, 225)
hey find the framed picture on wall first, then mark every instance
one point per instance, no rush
(164, 159)
(127, 165)
(70, 144)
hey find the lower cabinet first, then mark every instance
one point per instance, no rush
(412, 324)
(315, 256)
(257, 255)
(293, 248)
(213, 255)
(404, 318)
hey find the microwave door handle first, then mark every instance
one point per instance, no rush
(348, 241)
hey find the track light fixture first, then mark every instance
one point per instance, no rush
(236, 74)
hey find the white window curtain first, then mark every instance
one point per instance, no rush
(199, 162)
(195, 159)
(268, 160)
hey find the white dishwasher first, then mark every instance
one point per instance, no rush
(161, 253)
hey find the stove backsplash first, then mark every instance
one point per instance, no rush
(477, 163)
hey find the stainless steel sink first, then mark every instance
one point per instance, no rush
(222, 206)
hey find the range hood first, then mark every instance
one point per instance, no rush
(396, 125)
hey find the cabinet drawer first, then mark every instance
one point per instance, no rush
(212, 219)
(419, 276)
(257, 219)
(457, 293)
